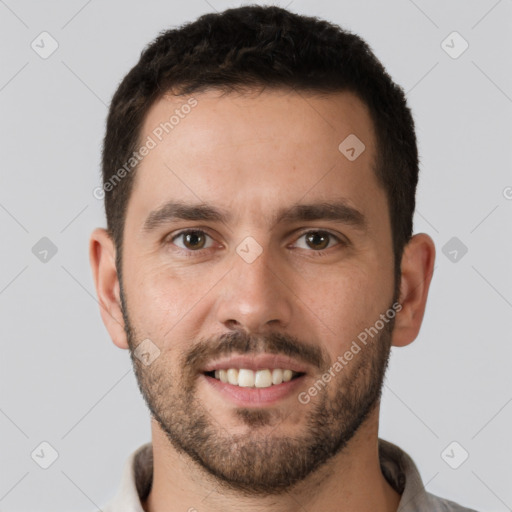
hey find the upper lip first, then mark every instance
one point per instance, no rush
(256, 362)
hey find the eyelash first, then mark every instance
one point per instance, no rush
(192, 253)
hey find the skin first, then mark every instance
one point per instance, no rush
(250, 155)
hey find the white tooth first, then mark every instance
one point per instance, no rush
(233, 376)
(223, 375)
(217, 374)
(246, 378)
(263, 379)
(277, 376)
(287, 375)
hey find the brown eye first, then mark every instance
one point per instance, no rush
(318, 240)
(192, 240)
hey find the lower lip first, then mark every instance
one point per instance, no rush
(253, 397)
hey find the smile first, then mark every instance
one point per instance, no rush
(254, 380)
(263, 378)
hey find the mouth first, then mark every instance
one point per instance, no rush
(246, 378)
(255, 380)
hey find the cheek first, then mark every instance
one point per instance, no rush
(337, 288)
(163, 300)
(342, 303)
(153, 299)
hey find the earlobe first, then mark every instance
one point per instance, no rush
(106, 282)
(417, 267)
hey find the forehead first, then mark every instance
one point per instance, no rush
(321, 119)
(255, 151)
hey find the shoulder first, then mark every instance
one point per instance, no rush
(438, 504)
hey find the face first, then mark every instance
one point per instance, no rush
(255, 255)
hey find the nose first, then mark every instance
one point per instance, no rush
(255, 295)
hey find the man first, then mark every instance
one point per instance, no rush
(259, 172)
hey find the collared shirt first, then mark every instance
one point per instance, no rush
(396, 465)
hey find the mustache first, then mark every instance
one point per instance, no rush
(241, 342)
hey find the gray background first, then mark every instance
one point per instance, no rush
(64, 382)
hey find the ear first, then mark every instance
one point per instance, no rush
(102, 257)
(417, 269)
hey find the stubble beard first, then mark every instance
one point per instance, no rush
(263, 460)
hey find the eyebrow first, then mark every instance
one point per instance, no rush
(338, 210)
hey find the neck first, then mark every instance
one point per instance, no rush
(352, 480)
